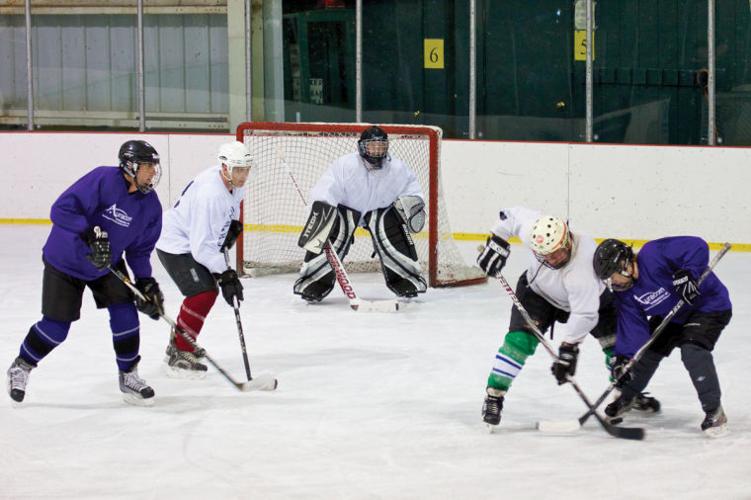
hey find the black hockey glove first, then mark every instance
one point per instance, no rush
(153, 306)
(231, 287)
(565, 365)
(99, 243)
(235, 228)
(618, 373)
(494, 255)
(685, 286)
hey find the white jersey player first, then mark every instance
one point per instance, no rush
(372, 189)
(558, 285)
(195, 232)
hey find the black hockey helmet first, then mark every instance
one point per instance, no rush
(611, 256)
(133, 153)
(374, 146)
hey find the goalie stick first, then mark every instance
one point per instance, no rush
(261, 383)
(634, 433)
(342, 278)
(668, 317)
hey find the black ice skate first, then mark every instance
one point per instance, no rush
(134, 388)
(184, 364)
(715, 423)
(641, 402)
(492, 407)
(18, 377)
(646, 403)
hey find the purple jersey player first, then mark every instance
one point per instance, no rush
(108, 212)
(647, 286)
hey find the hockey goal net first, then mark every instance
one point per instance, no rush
(273, 212)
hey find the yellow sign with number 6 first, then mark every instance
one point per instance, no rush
(433, 53)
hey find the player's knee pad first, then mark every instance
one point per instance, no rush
(396, 250)
(316, 278)
(519, 345)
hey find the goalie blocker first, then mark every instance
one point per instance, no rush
(390, 231)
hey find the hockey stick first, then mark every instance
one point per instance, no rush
(634, 433)
(668, 317)
(236, 307)
(268, 383)
(356, 303)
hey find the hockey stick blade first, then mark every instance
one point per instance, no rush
(569, 426)
(263, 382)
(363, 305)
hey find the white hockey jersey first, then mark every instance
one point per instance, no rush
(574, 288)
(199, 220)
(348, 182)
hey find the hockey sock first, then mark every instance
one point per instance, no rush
(192, 315)
(42, 338)
(126, 337)
(509, 361)
(700, 365)
(609, 361)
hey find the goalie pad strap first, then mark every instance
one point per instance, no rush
(397, 252)
(412, 211)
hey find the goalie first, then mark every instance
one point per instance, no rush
(368, 188)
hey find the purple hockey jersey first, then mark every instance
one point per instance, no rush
(653, 293)
(100, 198)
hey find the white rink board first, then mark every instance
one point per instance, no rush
(638, 192)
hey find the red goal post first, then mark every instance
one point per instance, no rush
(273, 213)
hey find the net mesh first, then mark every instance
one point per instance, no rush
(274, 212)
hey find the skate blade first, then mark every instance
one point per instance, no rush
(717, 432)
(263, 382)
(134, 400)
(180, 373)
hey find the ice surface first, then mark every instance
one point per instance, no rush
(368, 405)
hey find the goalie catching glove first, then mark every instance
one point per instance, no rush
(318, 228)
(494, 255)
(412, 211)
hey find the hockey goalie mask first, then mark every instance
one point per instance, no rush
(551, 242)
(139, 160)
(613, 264)
(373, 147)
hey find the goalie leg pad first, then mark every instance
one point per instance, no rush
(396, 250)
(316, 278)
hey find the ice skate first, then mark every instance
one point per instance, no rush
(134, 388)
(645, 403)
(18, 377)
(492, 407)
(715, 423)
(183, 364)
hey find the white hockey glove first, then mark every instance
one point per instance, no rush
(318, 228)
(412, 211)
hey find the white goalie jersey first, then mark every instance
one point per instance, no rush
(199, 220)
(574, 288)
(348, 182)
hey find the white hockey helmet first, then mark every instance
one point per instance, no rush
(550, 234)
(234, 154)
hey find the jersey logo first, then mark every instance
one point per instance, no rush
(652, 299)
(117, 215)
